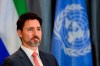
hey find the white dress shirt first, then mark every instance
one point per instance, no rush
(29, 54)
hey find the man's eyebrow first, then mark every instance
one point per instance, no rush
(32, 27)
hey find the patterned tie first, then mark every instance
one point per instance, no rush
(35, 59)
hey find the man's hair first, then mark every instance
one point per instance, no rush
(27, 16)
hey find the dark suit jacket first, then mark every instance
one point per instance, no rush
(19, 58)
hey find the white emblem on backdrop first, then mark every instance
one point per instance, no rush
(71, 28)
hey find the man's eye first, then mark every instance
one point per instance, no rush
(30, 29)
(39, 29)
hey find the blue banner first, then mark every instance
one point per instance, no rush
(3, 52)
(71, 43)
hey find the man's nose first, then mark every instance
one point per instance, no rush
(35, 32)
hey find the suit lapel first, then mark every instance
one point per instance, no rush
(43, 58)
(24, 58)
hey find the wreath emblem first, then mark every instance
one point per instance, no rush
(71, 28)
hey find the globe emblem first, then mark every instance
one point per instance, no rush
(74, 32)
(71, 29)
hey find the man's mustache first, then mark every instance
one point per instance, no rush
(34, 37)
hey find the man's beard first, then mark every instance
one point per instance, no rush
(35, 43)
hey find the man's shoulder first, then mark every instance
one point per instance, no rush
(18, 53)
(14, 59)
(14, 55)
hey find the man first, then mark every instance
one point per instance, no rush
(30, 32)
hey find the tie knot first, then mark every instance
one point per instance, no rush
(34, 54)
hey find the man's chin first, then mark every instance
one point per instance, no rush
(34, 44)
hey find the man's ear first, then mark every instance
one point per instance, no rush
(19, 33)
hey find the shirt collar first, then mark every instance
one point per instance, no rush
(28, 51)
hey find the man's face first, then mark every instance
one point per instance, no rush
(31, 33)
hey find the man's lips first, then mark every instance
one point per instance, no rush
(35, 39)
